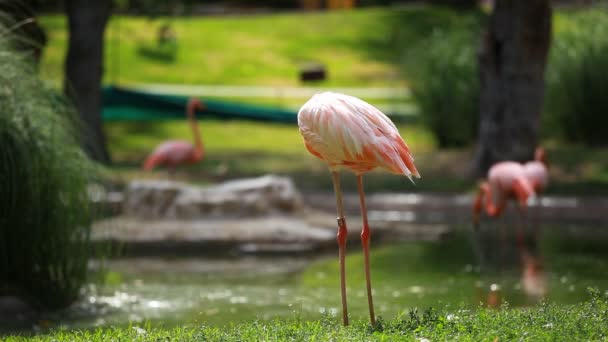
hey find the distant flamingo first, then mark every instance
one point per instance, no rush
(506, 180)
(522, 182)
(173, 153)
(348, 133)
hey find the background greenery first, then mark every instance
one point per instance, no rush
(44, 218)
(379, 47)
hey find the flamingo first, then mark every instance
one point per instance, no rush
(348, 133)
(507, 179)
(522, 182)
(173, 153)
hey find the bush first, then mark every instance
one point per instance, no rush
(577, 79)
(44, 210)
(446, 85)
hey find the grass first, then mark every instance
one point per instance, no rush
(44, 213)
(358, 47)
(548, 322)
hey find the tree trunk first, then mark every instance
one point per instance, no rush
(512, 61)
(84, 68)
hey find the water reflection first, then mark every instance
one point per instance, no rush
(407, 276)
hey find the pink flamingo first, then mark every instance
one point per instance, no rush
(348, 133)
(522, 182)
(173, 153)
(506, 180)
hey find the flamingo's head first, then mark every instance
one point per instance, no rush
(194, 104)
(484, 189)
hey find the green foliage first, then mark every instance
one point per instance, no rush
(356, 46)
(44, 212)
(577, 80)
(548, 322)
(445, 84)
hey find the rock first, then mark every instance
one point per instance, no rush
(104, 203)
(235, 199)
(151, 199)
(273, 234)
(13, 309)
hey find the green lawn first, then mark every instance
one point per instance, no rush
(361, 47)
(358, 46)
(581, 322)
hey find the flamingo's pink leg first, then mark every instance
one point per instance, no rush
(342, 233)
(365, 238)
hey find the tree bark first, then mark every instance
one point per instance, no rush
(84, 69)
(512, 60)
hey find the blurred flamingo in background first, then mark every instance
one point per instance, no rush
(506, 180)
(522, 182)
(348, 133)
(173, 153)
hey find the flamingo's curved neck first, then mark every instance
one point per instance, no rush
(198, 141)
(491, 208)
(485, 200)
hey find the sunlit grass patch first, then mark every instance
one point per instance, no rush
(548, 322)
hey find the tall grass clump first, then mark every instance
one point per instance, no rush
(445, 84)
(44, 210)
(577, 80)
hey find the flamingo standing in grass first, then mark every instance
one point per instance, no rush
(348, 133)
(173, 153)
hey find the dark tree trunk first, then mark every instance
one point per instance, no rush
(512, 61)
(84, 68)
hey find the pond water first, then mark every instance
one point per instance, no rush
(405, 275)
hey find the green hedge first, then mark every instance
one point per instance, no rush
(445, 85)
(44, 209)
(577, 81)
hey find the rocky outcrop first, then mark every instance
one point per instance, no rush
(251, 197)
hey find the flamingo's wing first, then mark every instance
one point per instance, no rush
(345, 130)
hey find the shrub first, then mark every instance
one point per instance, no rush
(445, 85)
(44, 210)
(577, 79)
